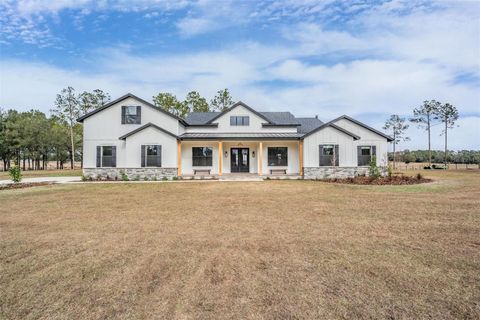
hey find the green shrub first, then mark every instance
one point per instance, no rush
(373, 171)
(145, 178)
(124, 176)
(137, 178)
(165, 178)
(175, 178)
(390, 171)
(15, 173)
(84, 178)
(154, 178)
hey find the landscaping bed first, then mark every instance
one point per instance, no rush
(394, 180)
(24, 185)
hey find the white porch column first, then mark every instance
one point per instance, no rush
(220, 157)
(260, 158)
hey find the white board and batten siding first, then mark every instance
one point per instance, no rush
(105, 127)
(367, 138)
(347, 156)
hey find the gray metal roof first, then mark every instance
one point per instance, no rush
(279, 117)
(308, 124)
(234, 136)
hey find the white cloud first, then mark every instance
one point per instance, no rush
(382, 62)
(193, 26)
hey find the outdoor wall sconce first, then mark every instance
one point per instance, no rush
(226, 154)
(253, 154)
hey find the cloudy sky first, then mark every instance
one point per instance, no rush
(361, 58)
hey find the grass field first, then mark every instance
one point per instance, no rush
(44, 173)
(242, 250)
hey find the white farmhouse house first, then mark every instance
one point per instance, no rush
(133, 137)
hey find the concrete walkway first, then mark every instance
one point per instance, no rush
(46, 179)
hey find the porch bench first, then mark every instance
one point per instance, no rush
(201, 171)
(278, 171)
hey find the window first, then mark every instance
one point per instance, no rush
(239, 121)
(202, 156)
(329, 155)
(277, 156)
(106, 156)
(131, 114)
(151, 156)
(364, 154)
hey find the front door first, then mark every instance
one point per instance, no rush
(240, 161)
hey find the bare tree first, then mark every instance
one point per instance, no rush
(424, 116)
(447, 114)
(397, 127)
(67, 109)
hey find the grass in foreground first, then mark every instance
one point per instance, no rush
(44, 173)
(259, 250)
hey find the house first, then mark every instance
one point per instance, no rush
(133, 137)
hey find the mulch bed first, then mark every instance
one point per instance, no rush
(395, 180)
(23, 185)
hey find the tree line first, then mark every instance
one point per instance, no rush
(31, 139)
(437, 156)
(426, 116)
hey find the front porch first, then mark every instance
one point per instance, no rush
(270, 159)
(241, 177)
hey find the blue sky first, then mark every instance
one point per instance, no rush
(361, 58)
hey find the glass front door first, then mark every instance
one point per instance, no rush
(240, 160)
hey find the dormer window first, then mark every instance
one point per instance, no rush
(131, 115)
(239, 120)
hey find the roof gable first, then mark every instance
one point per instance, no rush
(129, 95)
(331, 125)
(148, 125)
(361, 124)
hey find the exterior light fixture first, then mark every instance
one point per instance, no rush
(226, 154)
(253, 154)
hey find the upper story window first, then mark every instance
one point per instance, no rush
(131, 115)
(239, 120)
(364, 154)
(329, 155)
(277, 156)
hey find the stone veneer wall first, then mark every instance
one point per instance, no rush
(338, 172)
(132, 173)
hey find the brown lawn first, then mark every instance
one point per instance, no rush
(259, 250)
(44, 173)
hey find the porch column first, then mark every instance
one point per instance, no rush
(260, 158)
(220, 157)
(300, 150)
(179, 158)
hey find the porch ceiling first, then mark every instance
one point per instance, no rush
(237, 136)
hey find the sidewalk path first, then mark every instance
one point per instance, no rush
(46, 179)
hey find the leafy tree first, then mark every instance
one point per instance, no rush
(423, 116)
(447, 114)
(67, 109)
(89, 101)
(397, 128)
(222, 101)
(170, 103)
(196, 103)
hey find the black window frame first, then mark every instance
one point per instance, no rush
(274, 160)
(364, 160)
(151, 160)
(331, 159)
(239, 120)
(111, 159)
(202, 159)
(128, 118)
